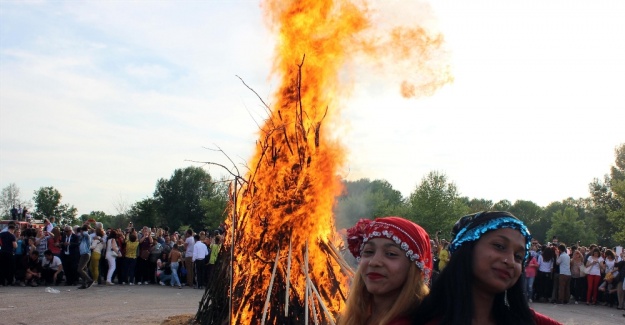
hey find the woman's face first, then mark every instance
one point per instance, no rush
(497, 260)
(384, 268)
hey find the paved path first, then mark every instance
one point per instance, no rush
(149, 304)
(153, 303)
(572, 314)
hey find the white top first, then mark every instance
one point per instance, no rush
(54, 264)
(564, 260)
(111, 245)
(199, 251)
(609, 265)
(594, 262)
(190, 242)
(544, 266)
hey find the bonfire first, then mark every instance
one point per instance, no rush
(281, 261)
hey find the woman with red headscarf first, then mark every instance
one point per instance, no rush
(395, 263)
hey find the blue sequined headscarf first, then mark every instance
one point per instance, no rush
(471, 227)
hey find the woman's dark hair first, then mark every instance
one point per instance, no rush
(112, 234)
(451, 298)
(610, 253)
(548, 254)
(132, 237)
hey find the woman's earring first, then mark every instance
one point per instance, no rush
(505, 299)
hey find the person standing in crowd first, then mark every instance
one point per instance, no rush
(199, 254)
(189, 243)
(85, 256)
(47, 226)
(544, 284)
(395, 265)
(593, 276)
(69, 255)
(52, 268)
(175, 257)
(143, 271)
(7, 252)
(443, 256)
(132, 244)
(54, 241)
(112, 251)
(564, 287)
(482, 283)
(530, 275)
(14, 213)
(620, 284)
(215, 247)
(578, 280)
(97, 245)
(42, 242)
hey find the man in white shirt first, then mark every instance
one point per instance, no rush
(52, 268)
(199, 254)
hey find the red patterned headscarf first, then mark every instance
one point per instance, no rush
(413, 239)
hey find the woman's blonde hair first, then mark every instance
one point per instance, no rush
(358, 304)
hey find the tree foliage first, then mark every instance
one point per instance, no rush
(435, 204)
(47, 200)
(48, 203)
(617, 184)
(367, 199)
(179, 199)
(569, 228)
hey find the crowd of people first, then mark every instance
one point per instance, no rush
(490, 272)
(90, 255)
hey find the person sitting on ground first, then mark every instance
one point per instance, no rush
(482, 282)
(52, 268)
(395, 264)
(33, 269)
(163, 269)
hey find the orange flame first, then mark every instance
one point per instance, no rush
(290, 189)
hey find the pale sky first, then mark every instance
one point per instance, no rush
(99, 99)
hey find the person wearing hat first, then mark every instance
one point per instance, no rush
(482, 282)
(395, 263)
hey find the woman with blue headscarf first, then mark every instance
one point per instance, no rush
(482, 283)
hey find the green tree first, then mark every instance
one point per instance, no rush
(616, 215)
(66, 214)
(215, 205)
(503, 205)
(367, 199)
(179, 197)
(603, 202)
(530, 213)
(144, 213)
(567, 225)
(476, 205)
(47, 200)
(435, 204)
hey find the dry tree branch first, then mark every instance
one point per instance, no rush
(254, 91)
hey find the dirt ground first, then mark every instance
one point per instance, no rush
(155, 304)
